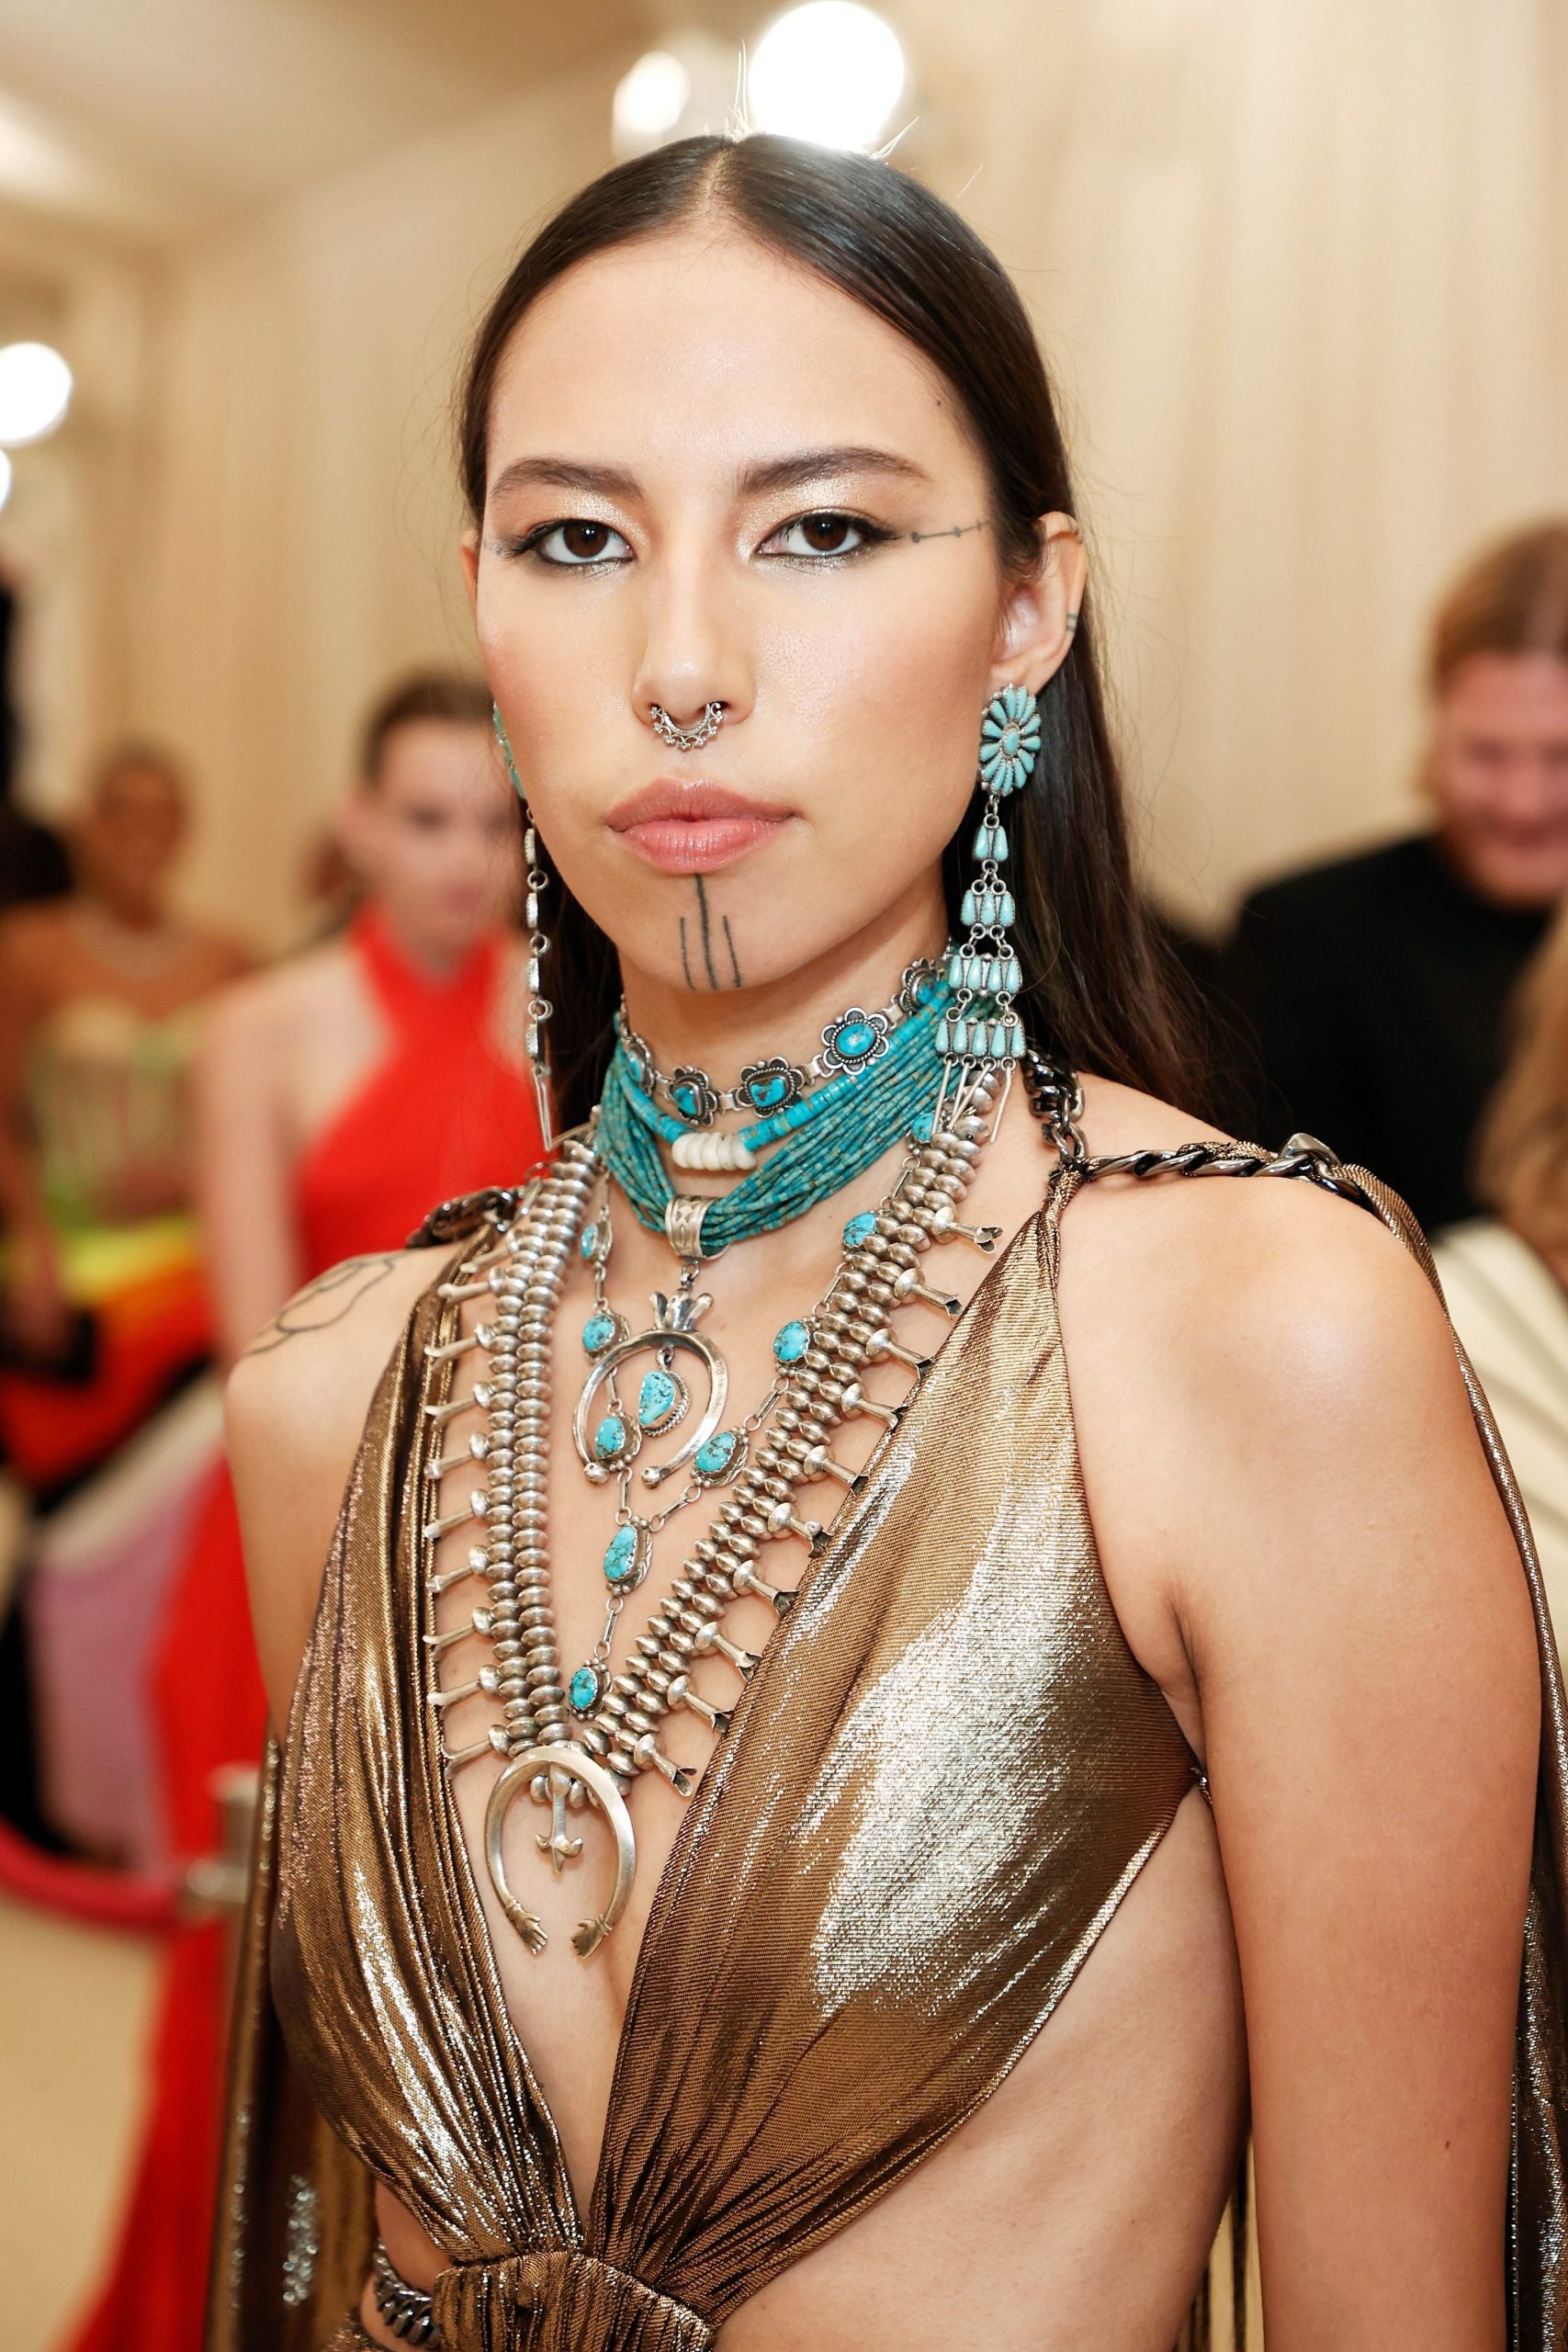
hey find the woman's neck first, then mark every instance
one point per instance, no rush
(723, 1031)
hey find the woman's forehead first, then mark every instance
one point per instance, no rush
(700, 350)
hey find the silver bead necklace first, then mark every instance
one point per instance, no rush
(583, 1760)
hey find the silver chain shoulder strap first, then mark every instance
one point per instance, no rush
(1056, 1098)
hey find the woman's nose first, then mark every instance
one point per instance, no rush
(694, 654)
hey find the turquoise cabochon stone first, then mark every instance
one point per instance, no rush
(610, 1437)
(657, 1398)
(792, 1342)
(714, 1458)
(620, 1556)
(597, 1334)
(854, 1038)
(859, 1228)
(583, 1691)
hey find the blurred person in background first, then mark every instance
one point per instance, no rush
(343, 1091)
(338, 1094)
(1505, 1275)
(103, 1304)
(1374, 987)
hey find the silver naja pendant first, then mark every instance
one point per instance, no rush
(662, 1401)
(560, 1767)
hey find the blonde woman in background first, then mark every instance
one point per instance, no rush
(1506, 1276)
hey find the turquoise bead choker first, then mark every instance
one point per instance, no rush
(820, 1142)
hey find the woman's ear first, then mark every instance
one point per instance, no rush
(469, 555)
(1040, 614)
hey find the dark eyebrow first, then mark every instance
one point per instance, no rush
(771, 474)
(564, 473)
(826, 465)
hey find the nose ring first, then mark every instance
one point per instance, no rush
(687, 738)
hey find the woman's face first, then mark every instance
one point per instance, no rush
(434, 837)
(715, 478)
(129, 839)
(1499, 776)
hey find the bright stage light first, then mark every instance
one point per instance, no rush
(35, 391)
(829, 70)
(5, 477)
(648, 101)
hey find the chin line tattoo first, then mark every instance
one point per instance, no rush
(958, 531)
(706, 944)
(329, 1299)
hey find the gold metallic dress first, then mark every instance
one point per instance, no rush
(878, 1897)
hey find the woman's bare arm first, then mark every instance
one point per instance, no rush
(1304, 1541)
(244, 1162)
(296, 1406)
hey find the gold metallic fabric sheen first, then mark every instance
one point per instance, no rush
(878, 1897)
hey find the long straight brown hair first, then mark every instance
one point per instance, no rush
(1096, 992)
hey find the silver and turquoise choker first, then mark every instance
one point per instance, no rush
(681, 1109)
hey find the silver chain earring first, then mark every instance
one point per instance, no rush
(539, 1006)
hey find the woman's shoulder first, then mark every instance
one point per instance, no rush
(1257, 1283)
(314, 1369)
(295, 1409)
(263, 1013)
(1263, 1375)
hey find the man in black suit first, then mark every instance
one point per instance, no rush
(1375, 989)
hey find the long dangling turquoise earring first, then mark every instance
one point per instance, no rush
(540, 1005)
(984, 973)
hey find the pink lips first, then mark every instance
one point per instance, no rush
(684, 826)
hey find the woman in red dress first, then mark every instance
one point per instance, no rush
(339, 1095)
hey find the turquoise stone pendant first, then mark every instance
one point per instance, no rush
(585, 1690)
(860, 1229)
(661, 1401)
(791, 1343)
(611, 1439)
(718, 1462)
(625, 1559)
(601, 1331)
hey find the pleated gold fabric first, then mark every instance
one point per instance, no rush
(878, 1897)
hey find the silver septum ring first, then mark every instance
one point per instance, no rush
(687, 738)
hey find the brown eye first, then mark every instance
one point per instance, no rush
(577, 541)
(823, 535)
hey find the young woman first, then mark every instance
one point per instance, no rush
(100, 1002)
(790, 1831)
(310, 1077)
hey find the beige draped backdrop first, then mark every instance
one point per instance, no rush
(1301, 273)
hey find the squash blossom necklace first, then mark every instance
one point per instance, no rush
(933, 1069)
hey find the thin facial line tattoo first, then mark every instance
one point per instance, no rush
(705, 921)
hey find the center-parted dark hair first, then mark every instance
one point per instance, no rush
(1095, 991)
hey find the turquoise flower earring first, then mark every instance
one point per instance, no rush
(984, 973)
(539, 1006)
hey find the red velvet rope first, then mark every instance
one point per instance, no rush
(82, 1891)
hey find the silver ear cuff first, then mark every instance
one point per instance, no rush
(687, 738)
